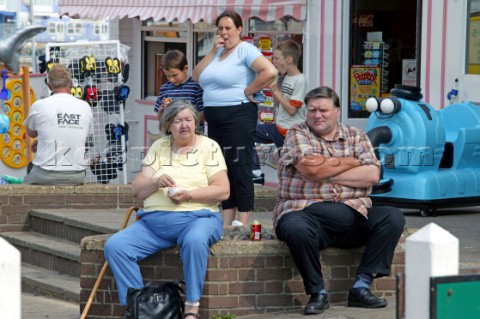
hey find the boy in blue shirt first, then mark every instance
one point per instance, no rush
(179, 86)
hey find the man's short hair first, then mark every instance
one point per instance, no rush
(59, 77)
(323, 92)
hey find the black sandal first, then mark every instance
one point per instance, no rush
(191, 314)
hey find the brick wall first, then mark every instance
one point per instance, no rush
(18, 200)
(243, 277)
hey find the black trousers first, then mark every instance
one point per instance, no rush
(328, 224)
(233, 127)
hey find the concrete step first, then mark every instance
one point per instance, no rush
(46, 251)
(75, 224)
(40, 281)
(51, 251)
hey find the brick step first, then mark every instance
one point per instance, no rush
(46, 251)
(40, 281)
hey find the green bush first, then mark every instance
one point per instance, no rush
(227, 316)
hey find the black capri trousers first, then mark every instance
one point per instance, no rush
(233, 128)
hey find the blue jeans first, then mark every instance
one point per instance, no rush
(193, 231)
(266, 134)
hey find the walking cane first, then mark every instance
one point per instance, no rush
(105, 267)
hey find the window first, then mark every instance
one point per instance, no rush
(158, 38)
(473, 42)
(100, 30)
(75, 28)
(52, 28)
(204, 36)
(276, 31)
(382, 53)
(60, 28)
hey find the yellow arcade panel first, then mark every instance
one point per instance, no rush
(14, 150)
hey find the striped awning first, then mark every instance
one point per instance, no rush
(182, 10)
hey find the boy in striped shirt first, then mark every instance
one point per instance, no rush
(179, 86)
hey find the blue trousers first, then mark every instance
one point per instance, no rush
(193, 231)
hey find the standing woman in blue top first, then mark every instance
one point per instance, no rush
(230, 74)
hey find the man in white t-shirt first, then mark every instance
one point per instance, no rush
(61, 124)
(289, 99)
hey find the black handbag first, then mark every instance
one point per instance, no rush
(157, 300)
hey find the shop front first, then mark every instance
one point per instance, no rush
(360, 48)
(151, 28)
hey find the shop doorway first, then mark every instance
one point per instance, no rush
(383, 50)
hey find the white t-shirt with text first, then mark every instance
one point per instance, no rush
(63, 123)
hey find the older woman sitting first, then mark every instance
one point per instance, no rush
(182, 181)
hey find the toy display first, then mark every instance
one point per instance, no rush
(13, 144)
(429, 157)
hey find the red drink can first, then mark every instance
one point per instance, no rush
(256, 230)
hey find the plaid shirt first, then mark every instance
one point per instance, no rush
(296, 192)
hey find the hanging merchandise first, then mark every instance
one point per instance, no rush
(88, 65)
(126, 72)
(103, 170)
(114, 156)
(452, 95)
(98, 67)
(76, 90)
(121, 92)
(114, 132)
(112, 65)
(90, 92)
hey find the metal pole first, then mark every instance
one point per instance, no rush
(32, 22)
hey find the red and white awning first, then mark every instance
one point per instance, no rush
(182, 10)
